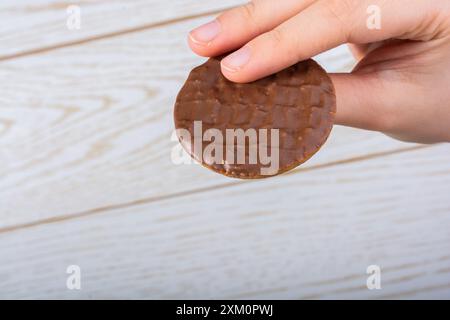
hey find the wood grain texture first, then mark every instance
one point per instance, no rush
(86, 178)
(89, 126)
(304, 235)
(26, 26)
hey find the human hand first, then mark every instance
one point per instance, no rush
(401, 83)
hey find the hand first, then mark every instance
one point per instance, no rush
(401, 83)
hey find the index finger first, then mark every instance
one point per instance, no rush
(325, 24)
(237, 26)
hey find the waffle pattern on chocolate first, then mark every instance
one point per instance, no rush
(299, 101)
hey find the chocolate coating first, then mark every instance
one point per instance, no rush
(299, 101)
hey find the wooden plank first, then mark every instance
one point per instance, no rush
(30, 25)
(89, 126)
(304, 235)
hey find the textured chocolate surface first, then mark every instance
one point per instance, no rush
(299, 101)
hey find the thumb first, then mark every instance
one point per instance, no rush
(361, 102)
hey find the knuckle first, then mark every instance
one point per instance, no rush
(248, 16)
(275, 36)
(340, 12)
(248, 11)
(343, 7)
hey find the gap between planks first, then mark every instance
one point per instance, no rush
(109, 35)
(107, 208)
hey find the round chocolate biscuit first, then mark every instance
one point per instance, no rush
(258, 129)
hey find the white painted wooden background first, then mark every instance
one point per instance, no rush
(86, 178)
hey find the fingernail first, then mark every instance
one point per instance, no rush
(205, 33)
(235, 61)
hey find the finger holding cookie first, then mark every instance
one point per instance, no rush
(397, 86)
